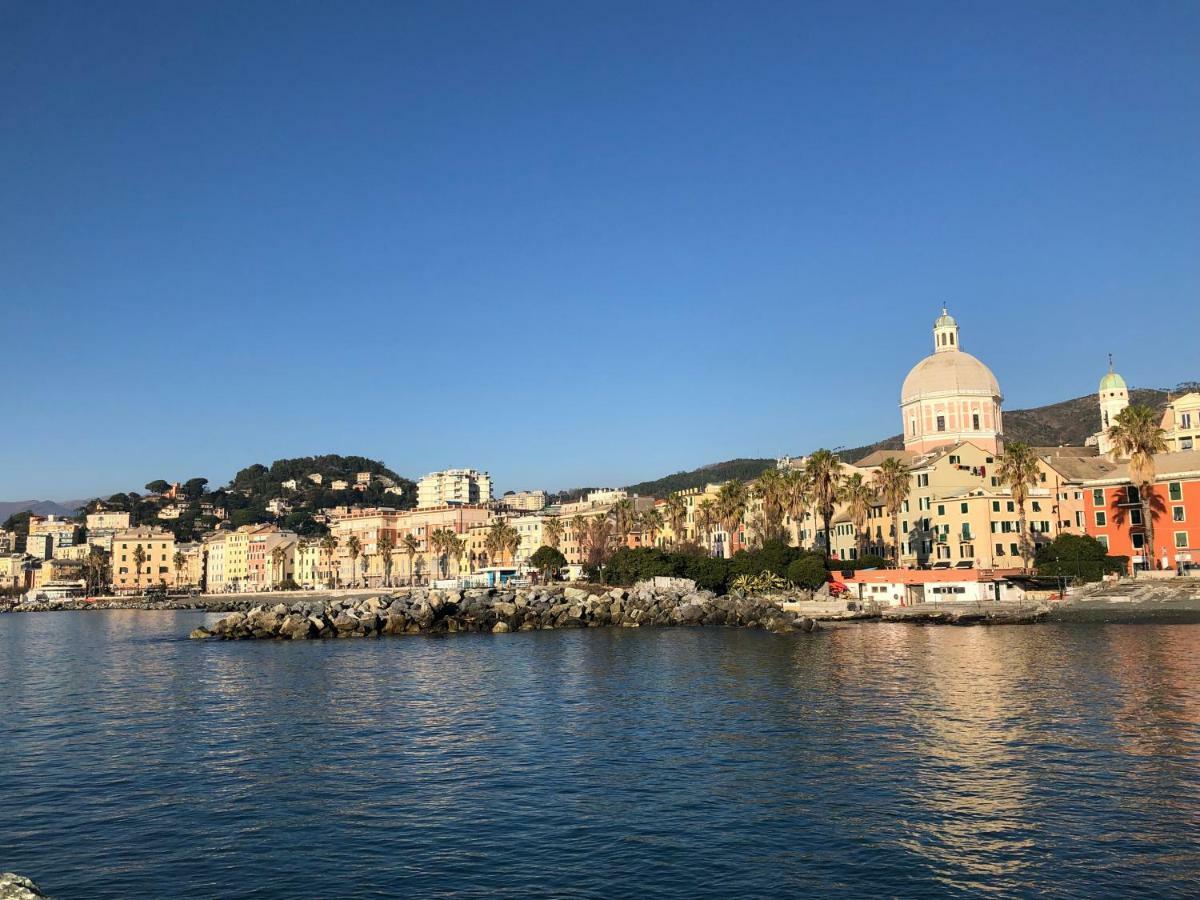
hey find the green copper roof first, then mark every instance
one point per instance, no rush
(944, 319)
(1112, 382)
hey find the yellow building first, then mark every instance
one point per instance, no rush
(156, 569)
(1181, 422)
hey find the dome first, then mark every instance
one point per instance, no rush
(944, 320)
(948, 373)
(1112, 382)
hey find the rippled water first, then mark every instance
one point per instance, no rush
(877, 759)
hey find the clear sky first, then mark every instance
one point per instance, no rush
(569, 242)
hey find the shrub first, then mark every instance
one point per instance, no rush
(808, 572)
(1077, 556)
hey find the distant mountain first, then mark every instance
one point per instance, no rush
(1070, 423)
(40, 507)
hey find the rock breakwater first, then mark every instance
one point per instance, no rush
(424, 611)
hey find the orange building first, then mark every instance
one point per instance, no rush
(1113, 513)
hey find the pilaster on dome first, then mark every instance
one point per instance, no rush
(945, 332)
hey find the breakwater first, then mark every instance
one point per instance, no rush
(425, 611)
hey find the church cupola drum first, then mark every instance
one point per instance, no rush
(950, 396)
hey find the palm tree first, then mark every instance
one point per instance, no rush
(179, 560)
(278, 555)
(858, 495)
(511, 543)
(732, 499)
(139, 560)
(494, 541)
(552, 531)
(600, 532)
(94, 568)
(624, 516)
(705, 517)
(444, 543)
(771, 489)
(386, 545)
(329, 545)
(1136, 436)
(824, 470)
(893, 485)
(651, 522)
(1018, 470)
(354, 548)
(579, 526)
(411, 547)
(796, 498)
(676, 515)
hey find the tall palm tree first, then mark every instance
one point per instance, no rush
(675, 510)
(511, 543)
(494, 541)
(824, 470)
(386, 545)
(858, 495)
(354, 548)
(329, 545)
(579, 528)
(95, 567)
(179, 560)
(411, 547)
(444, 543)
(705, 517)
(600, 533)
(139, 560)
(1136, 436)
(732, 499)
(1017, 469)
(623, 515)
(796, 498)
(771, 490)
(651, 523)
(892, 482)
(552, 531)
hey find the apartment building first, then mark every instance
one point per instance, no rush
(454, 487)
(156, 569)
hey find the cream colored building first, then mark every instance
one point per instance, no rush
(1181, 422)
(454, 486)
(524, 501)
(12, 571)
(156, 569)
(214, 562)
(59, 529)
(103, 524)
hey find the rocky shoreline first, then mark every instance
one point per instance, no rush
(425, 611)
(18, 887)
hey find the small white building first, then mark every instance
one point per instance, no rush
(906, 587)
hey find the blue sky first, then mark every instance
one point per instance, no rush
(571, 243)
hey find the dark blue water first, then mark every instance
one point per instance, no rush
(876, 759)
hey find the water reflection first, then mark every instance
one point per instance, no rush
(864, 760)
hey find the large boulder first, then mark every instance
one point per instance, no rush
(18, 887)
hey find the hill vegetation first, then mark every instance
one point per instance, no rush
(244, 500)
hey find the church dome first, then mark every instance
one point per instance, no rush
(1112, 382)
(947, 373)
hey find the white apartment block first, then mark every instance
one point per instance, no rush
(454, 487)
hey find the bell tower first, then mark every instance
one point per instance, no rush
(945, 332)
(1114, 397)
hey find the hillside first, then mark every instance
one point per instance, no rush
(40, 507)
(1070, 422)
(244, 500)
